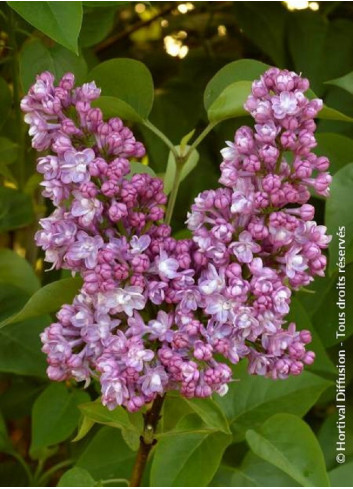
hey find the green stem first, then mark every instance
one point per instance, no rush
(180, 160)
(24, 464)
(161, 136)
(46, 475)
(173, 195)
(112, 481)
(39, 468)
(200, 138)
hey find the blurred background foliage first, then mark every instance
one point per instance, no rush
(183, 44)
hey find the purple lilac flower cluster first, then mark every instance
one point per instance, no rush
(122, 327)
(256, 236)
(155, 313)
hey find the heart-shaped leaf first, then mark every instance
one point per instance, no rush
(76, 477)
(252, 399)
(240, 70)
(60, 21)
(128, 80)
(288, 443)
(184, 452)
(230, 102)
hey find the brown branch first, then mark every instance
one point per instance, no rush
(133, 28)
(147, 440)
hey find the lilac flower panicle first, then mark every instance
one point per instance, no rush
(271, 245)
(155, 313)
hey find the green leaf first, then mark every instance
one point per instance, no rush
(20, 348)
(306, 37)
(298, 315)
(11, 299)
(232, 477)
(15, 270)
(16, 210)
(177, 101)
(31, 185)
(288, 443)
(76, 477)
(230, 103)
(210, 413)
(35, 58)
(174, 408)
(59, 21)
(103, 4)
(115, 107)
(332, 114)
(118, 418)
(184, 453)
(84, 427)
(182, 234)
(241, 70)
(264, 474)
(188, 166)
(339, 213)
(17, 400)
(5, 104)
(65, 61)
(345, 82)
(267, 32)
(323, 309)
(55, 416)
(96, 25)
(185, 139)
(136, 167)
(337, 147)
(252, 399)
(131, 438)
(46, 300)
(253, 472)
(319, 49)
(341, 476)
(107, 456)
(328, 436)
(328, 113)
(128, 80)
(8, 151)
(7, 173)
